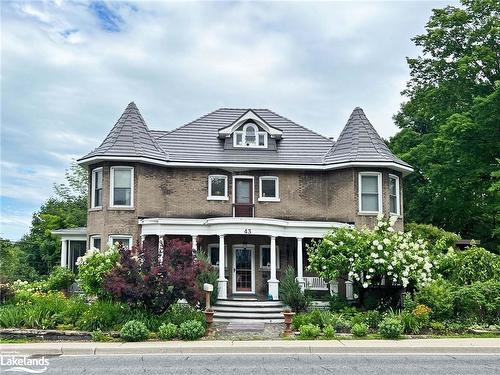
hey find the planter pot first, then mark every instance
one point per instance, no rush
(209, 318)
(288, 322)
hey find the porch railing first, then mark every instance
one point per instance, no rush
(315, 283)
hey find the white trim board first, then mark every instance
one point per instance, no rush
(247, 166)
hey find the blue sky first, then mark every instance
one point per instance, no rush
(70, 68)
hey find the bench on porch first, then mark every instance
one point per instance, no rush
(318, 283)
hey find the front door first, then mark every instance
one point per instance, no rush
(243, 202)
(243, 266)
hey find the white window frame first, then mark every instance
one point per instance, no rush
(379, 185)
(277, 189)
(214, 197)
(398, 202)
(243, 137)
(95, 237)
(265, 267)
(216, 247)
(112, 186)
(113, 238)
(94, 180)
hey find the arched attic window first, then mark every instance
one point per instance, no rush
(250, 135)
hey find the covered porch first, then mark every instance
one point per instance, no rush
(73, 245)
(250, 254)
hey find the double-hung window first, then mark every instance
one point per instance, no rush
(213, 254)
(394, 201)
(217, 187)
(96, 188)
(265, 257)
(269, 189)
(124, 240)
(370, 192)
(122, 186)
(95, 242)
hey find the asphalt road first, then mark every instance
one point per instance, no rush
(252, 364)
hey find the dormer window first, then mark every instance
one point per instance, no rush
(250, 135)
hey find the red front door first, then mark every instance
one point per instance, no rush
(243, 206)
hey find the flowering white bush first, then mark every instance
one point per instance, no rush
(367, 257)
(92, 266)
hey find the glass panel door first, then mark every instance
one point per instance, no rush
(243, 269)
(243, 191)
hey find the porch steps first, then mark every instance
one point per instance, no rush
(250, 310)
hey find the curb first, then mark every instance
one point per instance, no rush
(430, 346)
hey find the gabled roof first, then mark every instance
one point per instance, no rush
(360, 142)
(250, 115)
(200, 143)
(129, 137)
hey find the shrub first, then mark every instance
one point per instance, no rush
(11, 316)
(99, 336)
(438, 327)
(191, 330)
(290, 292)
(358, 318)
(140, 278)
(207, 275)
(366, 256)
(300, 320)
(60, 278)
(338, 303)
(134, 330)
(6, 293)
(309, 331)
(438, 295)
(150, 319)
(373, 318)
(478, 302)
(390, 327)
(476, 264)
(329, 332)
(179, 313)
(103, 315)
(409, 322)
(359, 329)
(439, 240)
(167, 331)
(92, 267)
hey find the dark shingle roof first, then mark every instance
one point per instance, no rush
(360, 142)
(129, 137)
(199, 141)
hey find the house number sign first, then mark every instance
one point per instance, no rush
(247, 231)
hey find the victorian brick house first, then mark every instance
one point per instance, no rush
(247, 185)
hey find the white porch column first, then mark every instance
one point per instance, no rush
(64, 253)
(300, 264)
(222, 281)
(194, 242)
(160, 248)
(273, 281)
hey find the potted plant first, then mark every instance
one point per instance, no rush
(288, 315)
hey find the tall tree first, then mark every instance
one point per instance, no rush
(451, 122)
(67, 209)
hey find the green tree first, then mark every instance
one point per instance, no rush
(450, 122)
(67, 209)
(14, 263)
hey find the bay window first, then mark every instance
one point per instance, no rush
(122, 186)
(370, 192)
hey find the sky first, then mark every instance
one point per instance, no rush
(69, 69)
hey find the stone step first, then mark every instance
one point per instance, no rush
(256, 309)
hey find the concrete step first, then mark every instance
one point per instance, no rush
(256, 309)
(237, 303)
(247, 315)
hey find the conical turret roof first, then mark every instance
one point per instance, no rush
(129, 137)
(360, 142)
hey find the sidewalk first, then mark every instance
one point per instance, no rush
(486, 345)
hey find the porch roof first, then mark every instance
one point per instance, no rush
(238, 225)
